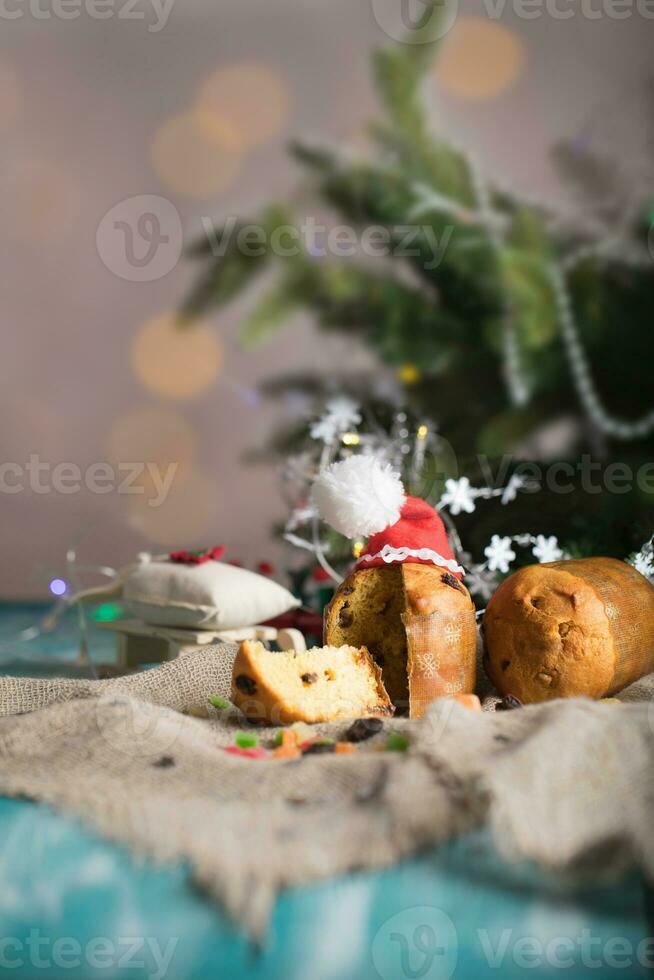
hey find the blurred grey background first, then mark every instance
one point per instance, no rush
(95, 111)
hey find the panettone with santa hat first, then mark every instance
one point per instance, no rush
(404, 600)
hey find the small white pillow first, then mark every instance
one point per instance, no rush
(212, 595)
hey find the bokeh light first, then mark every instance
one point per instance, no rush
(58, 586)
(42, 200)
(192, 160)
(172, 362)
(188, 513)
(480, 59)
(108, 612)
(154, 435)
(215, 129)
(248, 99)
(409, 374)
(9, 95)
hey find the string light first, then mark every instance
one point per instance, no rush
(350, 438)
(65, 591)
(58, 586)
(409, 374)
(108, 612)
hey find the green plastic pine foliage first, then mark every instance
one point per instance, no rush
(448, 318)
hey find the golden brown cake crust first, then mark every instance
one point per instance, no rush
(430, 589)
(441, 629)
(569, 628)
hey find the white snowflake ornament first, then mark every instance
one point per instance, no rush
(499, 554)
(510, 492)
(459, 496)
(340, 415)
(480, 582)
(546, 549)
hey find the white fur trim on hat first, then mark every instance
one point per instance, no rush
(390, 555)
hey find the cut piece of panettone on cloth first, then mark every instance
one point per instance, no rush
(317, 685)
(556, 782)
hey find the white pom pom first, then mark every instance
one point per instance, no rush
(359, 496)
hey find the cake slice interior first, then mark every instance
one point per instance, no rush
(368, 611)
(321, 684)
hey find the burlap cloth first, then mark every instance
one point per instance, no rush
(569, 783)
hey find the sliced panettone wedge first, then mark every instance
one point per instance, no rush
(418, 622)
(322, 684)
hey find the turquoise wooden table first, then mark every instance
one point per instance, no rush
(73, 905)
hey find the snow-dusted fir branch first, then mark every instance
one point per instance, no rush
(600, 242)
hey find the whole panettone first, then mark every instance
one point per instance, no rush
(569, 628)
(417, 621)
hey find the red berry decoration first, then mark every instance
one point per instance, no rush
(198, 557)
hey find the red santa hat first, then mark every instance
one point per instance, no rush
(363, 497)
